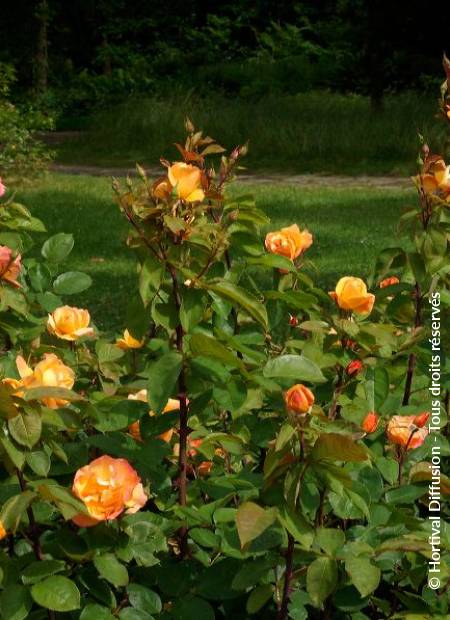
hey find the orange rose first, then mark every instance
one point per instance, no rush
(107, 487)
(403, 431)
(9, 267)
(299, 399)
(351, 294)
(135, 428)
(370, 422)
(3, 532)
(69, 323)
(436, 179)
(186, 179)
(289, 242)
(354, 367)
(128, 342)
(389, 282)
(51, 372)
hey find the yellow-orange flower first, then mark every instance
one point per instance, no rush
(186, 179)
(389, 281)
(50, 372)
(404, 431)
(162, 188)
(69, 323)
(351, 294)
(107, 487)
(135, 428)
(128, 342)
(3, 532)
(436, 178)
(299, 399)
(289, 242)
(9, 267)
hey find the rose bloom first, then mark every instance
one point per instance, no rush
(135, 428)
(403, 430)
(436, 179)
(370, 422)
(9, 267)
(69, 323)
(389, 281)
(2, 528)
(128, 342)
(51, 372)
(289, 242)
(107, 487)
(354, 367)
(2, 188)
(299, 399)
(351, 294)
(186, 179)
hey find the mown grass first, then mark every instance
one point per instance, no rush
(350, 227)
(312, 132)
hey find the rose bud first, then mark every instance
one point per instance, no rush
(370, 422)
(421, 419)
(389, 282)
(354, 367)
(299, 399)
(293, 320)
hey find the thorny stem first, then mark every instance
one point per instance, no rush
(184, 429)
(33, 531)
(412, 356)
(283, 611)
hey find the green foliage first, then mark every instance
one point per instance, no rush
(223, 462)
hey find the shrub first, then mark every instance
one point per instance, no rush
(22, 155)
(236, 451)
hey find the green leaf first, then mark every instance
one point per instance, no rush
(406, 494)
(107, 352)
(96, 612)
(150, 278)
(321, 580)
(39, 462)
(56, 593)
(15, 602)
(365, 576)
(296, 525)
(111, 569)
(40, 570)
(230, 292)
(192, 308)
(129, 613)
(330, 540)
(273, 261)
(26, 428)
(144, 599)
(163, 377)
(252, 521)
(200, 344)
(338, 447)
(40, 277)
(15, 455)
(259, 597)
(71, 283)
(50, 391)
(295, 367)
(57, 248)
(376, 387)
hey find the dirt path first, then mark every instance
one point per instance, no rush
(305, 180)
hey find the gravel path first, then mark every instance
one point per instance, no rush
(304, 180)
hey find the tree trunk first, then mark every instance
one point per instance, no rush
(41, 56)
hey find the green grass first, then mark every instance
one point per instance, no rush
(312, 132)
(350, 227)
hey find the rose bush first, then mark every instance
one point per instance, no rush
(240, 450)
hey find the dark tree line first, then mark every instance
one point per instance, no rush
(374, 44)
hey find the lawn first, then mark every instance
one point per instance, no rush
(350, 227)
(310, 132)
